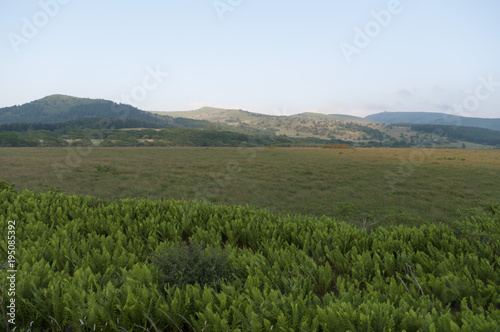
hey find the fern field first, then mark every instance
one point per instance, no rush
(88, 265)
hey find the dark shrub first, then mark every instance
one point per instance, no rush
(180, 264)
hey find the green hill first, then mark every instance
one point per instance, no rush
(216, 114)
(60, 108)
(223, 115)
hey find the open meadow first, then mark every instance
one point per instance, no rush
(101, 263)
(363, 186)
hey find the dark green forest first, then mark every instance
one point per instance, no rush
(469, 134)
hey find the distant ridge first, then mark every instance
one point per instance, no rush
(351, 117)
(434, 119)
(335, 117)
(221, 115)
(214, 114)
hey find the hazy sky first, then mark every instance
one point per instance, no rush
(275, 57)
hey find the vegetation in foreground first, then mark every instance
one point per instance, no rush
(86, 265)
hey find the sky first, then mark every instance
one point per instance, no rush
(275, 57)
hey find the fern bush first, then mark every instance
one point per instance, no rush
(6, 186)
(91, 265)
(181, 264)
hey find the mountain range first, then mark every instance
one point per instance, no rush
(55, 112)
(59, 108)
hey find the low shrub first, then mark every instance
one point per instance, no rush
(180, 264)
(347, 210)
(6, 186)
(105, 168)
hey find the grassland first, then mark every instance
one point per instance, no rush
(364, 186)
(299, 125)
(108, 264)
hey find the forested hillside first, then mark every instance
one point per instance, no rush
(58, 108)
(469, 134)
(432, 118)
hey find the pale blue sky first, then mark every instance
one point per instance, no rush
(275, 57)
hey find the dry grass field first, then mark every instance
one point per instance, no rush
(364, 186)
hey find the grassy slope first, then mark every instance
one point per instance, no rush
(381, 184)
(220, 114)
(299, 125)
(208, 113)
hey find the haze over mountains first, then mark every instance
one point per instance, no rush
(59, 108)
(57, 120)
(60, 114)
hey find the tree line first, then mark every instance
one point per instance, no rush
(462, 133)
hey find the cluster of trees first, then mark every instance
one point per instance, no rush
(461, 133)
(14, 139)
(83, 136)
(370, 133)
(90, 123)
(102, 123)
(195, 137)
(335, 128)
